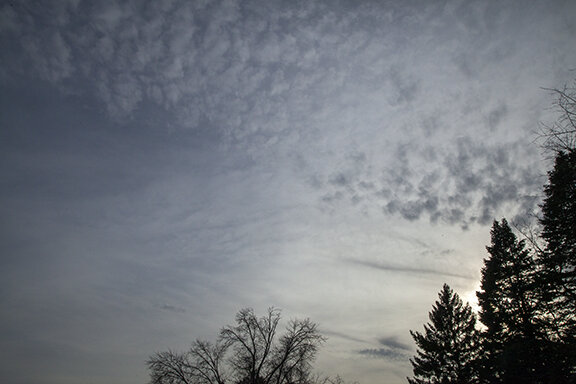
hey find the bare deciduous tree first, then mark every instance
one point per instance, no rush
(250, 352)
(561, 135)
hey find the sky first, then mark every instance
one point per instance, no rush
(164, 164)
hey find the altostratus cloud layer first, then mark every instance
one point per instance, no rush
(165, 162)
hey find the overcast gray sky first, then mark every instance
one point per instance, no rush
(166, 163)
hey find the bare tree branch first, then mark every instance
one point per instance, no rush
(169, 368)
(246, 353)
(561, 135)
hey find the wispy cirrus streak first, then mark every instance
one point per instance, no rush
(406, 269)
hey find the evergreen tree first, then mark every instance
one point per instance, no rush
(558, 262)
(559, 231)
(510, 341)
(448, 346)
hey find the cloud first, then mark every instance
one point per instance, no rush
(391, 349)
(227, 63)
(172, 308)
(496, 116)
(405, 89)
(342, 336)
(157, 154)
(460, 183)
(383, 353)
(393, 343)
(408, 269)
(267, 78)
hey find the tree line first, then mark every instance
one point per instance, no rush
(525, 331)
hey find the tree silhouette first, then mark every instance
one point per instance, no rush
(558, 260)
(250, 352)
(509, 310)
(448, 347)
(559, 232)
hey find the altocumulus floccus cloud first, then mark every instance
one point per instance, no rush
(167, 162)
